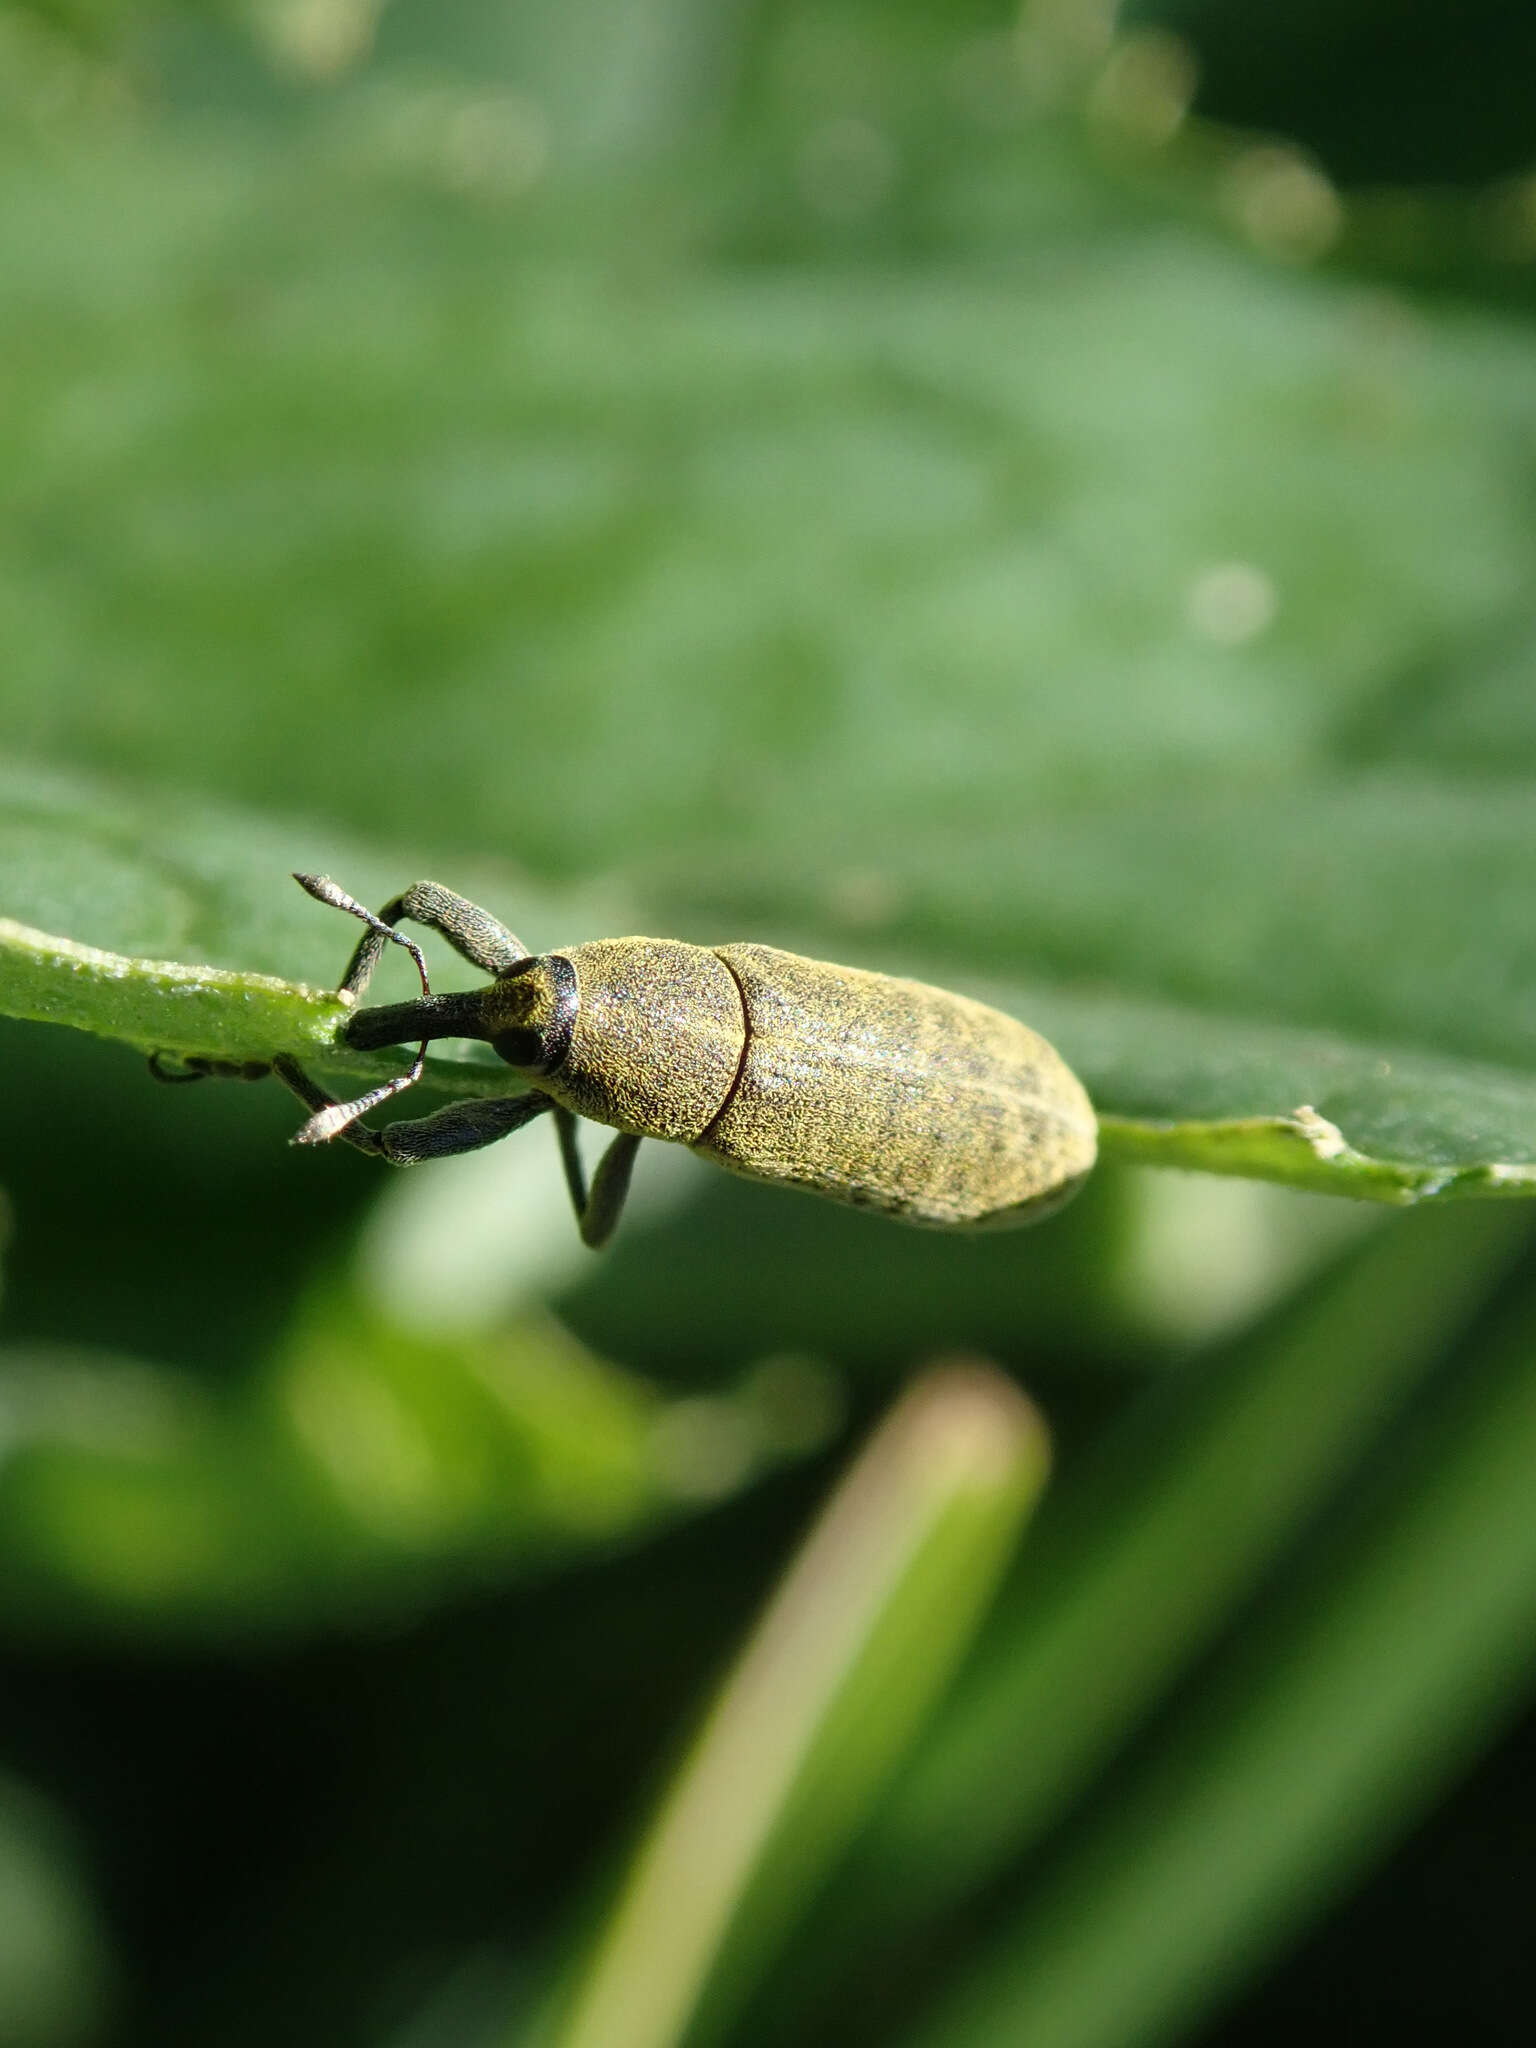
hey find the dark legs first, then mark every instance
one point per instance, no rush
(458, 1127)
(470, 931)
(194, 1068)
(598, 1209)
(315, 1099)
(466, 1127)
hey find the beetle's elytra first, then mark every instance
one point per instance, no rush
(871, 1090)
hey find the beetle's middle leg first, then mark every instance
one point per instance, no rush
(599, 1207)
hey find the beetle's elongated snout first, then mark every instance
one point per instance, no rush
(449, 1016)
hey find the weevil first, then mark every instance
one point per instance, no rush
(887, 1094)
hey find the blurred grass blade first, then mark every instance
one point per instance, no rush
(1352, 1701)
(56, 1961)
(826, 1696)
(1150, 1552)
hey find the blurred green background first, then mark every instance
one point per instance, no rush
(1045, 500)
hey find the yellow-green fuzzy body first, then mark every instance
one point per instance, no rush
(884, 1093)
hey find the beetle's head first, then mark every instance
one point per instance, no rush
(530, 1012)
(526, 1015)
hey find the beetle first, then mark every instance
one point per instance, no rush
(887, 1094)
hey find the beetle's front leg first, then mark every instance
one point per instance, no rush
(599, 1208)
(460, 1127)
(314, 1098)
(471, 931)
(457, 1127)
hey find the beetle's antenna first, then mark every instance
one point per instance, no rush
(330, 1121)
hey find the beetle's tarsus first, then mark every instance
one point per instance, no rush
(332, 1118)
(324, 890)
(472, 932)
(315, 1099)
(336, 1117)
(194, 1067)
(380, 929)
(457, 1127)
(161, 1072)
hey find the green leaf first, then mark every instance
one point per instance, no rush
(132, 879)
(1125, 626)
(153, 1003)
(1338, 1113)
(910, 524)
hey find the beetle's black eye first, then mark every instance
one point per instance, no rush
(523, 1048)
(535, 1012)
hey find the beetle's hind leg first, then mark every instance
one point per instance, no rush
(599, 1208)
(458, 1127)
(471, 931)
